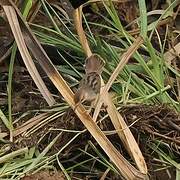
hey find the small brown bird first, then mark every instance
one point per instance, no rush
(90, 85)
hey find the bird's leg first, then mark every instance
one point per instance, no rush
(93, 104)
(90, 108)
(76, 105)
(104, 107)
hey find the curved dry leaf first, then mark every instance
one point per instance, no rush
(125, 135)
(16, 30)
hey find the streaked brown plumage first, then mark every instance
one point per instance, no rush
(90, 85)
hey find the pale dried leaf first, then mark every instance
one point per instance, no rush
(16, 30)
(117, 120)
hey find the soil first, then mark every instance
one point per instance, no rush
(45, 175)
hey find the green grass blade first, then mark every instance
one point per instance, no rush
(41, 155)
(143, 18)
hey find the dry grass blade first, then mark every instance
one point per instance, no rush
(124, 59)
(13, 21)
(41, 56)
(126, 169)
(2, 135)
(29, 124)
(170, 55)
(125, 135)
(82, 37)
(117, 120)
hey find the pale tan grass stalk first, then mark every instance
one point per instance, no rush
(125, 135)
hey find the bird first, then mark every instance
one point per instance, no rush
(90, 85)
